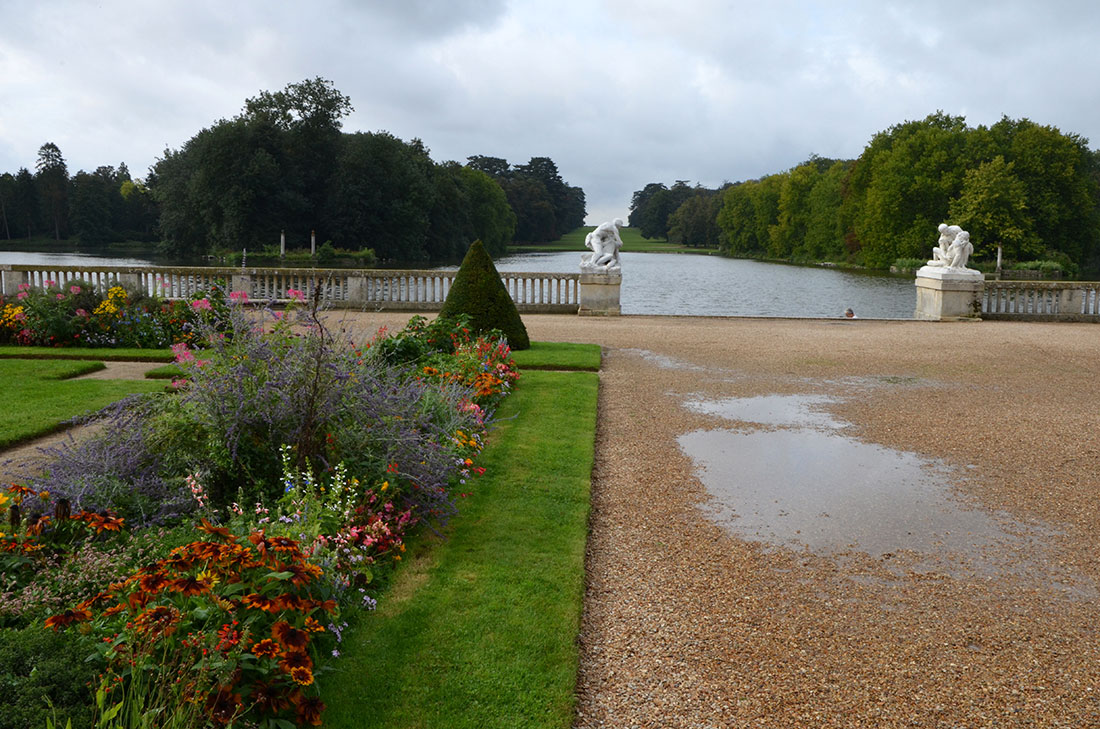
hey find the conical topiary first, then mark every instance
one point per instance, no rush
(479, 293)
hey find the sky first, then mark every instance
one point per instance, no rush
(619, 93)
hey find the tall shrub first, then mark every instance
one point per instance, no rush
(479, 293)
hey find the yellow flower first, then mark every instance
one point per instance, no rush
(385, 485)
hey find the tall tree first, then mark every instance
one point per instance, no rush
(992, 206)
(25, 205)
(53, 184)
(90, 208)
(7, 198)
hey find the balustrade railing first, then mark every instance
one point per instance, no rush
(1041, 300)
(397, 290)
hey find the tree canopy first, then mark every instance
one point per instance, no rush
(1029, 188)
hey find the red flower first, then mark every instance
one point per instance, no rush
(205, 526)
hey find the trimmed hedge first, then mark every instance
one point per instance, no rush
(479, 293)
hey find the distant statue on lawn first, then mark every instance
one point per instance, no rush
(953, 249)
(604, 242)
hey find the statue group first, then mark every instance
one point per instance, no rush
(605, 243)
(953, 249)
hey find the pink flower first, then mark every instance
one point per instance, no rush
(81, 312)
(24, 286)
(201, 305)
(183, 353)
(241, 297)
(296, 294)
(60, 297)
(21, 295)
(74, 290)
(49, 283)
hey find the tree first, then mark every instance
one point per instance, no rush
(492, 219)
(381, 195)
(52, 179)
(91, 208)
(25, 205)
(695, 222)
(495, 167)
(993, 208)
(7, 198)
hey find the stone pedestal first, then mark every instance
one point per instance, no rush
(945, 294)
(599, 293)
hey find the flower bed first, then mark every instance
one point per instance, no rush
(75, 315)
(235, 526)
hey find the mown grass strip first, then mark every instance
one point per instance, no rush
(10, 351)
(632, 242)
(38, 400)
(478, 630)
(559, 356)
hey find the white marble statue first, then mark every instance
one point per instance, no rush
(604, 242)
(953, 249)
(947, 237)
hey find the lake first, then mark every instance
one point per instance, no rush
(697, 285)
(666, 283)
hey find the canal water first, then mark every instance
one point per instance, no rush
(690, 285)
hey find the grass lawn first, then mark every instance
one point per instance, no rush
(559, 356)
(633, 242)
(478, 628)
(38, 399)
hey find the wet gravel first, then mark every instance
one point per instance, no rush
(688, 625)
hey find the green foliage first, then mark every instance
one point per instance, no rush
(1024, 186)
(39, 669)
(544, 206)
(479, 293)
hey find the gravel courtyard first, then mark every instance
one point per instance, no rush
(689, 624)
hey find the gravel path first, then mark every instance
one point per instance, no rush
(687, 624)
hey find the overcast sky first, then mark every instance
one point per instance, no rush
(618, 93)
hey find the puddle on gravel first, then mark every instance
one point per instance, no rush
(797, 481)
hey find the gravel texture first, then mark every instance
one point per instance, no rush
(688, 625)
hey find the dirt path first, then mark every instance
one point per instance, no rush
(689, 624)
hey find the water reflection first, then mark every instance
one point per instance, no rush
(796, 480)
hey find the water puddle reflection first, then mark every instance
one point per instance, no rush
(790, 477)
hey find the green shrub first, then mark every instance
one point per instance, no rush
(479, 293)
(39, 667)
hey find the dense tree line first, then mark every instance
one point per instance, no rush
(546, 206)
(95, 207)
(284, 165)
(1029, 188)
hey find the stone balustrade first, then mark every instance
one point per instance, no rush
(1041, 300)
(396, 290)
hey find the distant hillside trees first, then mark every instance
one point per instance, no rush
(1031, 189)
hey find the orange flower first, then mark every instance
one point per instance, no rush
(190, 586)
(295, 659)
(61, 620)
(157, 621)
(267, 698)
(209, 528)
(313, 626)
(302, 676)
(283, 544)
(256, 601)
(290, 637)
(310, 710)
(266, 648)
(153, 583)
